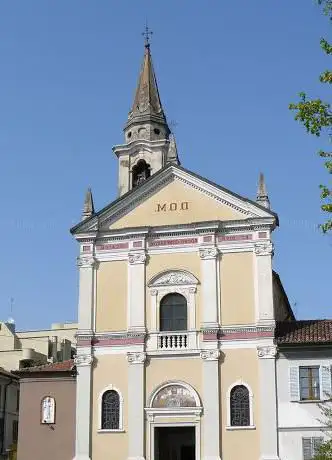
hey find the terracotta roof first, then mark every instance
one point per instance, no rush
(317, 331)
(7, 374)
(63, 366)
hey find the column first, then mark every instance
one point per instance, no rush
(136, 291)
(136, 403)
(264, 288)
(84, 358)
(268, 402)
(209, 286)
(211, 405)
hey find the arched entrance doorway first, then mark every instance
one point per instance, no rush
(174, 419)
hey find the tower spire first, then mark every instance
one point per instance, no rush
(88, 208)
(262, 196)
(147, 107)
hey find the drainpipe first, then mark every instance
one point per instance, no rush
(11, 380)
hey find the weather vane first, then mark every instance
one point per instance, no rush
(147, 35)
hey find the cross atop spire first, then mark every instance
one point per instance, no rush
(147, 35)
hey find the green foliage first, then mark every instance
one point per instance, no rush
(324, 452)
(316, 116)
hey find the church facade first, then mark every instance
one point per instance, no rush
(178, 302)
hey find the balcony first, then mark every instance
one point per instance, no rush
(173, 341)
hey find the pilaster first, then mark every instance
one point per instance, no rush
(83, 362)
(87, 266)
(211, 404)
(84, 358)
(209, 259)
(264, 288)
(136, 291)
(136, 404)
(268, 402)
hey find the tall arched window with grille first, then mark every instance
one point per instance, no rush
(240, 406)
(173, 313)
(110, 410)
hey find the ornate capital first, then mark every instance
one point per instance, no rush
(264, 249)
(267, 352)
(136, 258)
(210, 355)
(86, 262)
(208, 253)
(136, 358)
(83, 360)
(192, 289)
(154, 291)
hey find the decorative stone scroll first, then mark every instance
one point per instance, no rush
(86, 262)
(264, 249)
(83, 360)
(267, 352)
(208, 253)
(137, 258)
(174, 396)
(174, 278)
(136, 358)
(210, 355)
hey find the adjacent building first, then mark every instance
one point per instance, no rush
(47, 412)
(303, 386)
(9, 411)
(26, 348)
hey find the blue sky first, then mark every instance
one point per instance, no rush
(226, 71)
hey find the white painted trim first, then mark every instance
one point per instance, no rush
(251, 402)
(234, 428)
(110, 387)
(170, 383)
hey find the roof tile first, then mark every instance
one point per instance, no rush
(317, 331)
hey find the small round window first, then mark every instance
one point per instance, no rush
(156, 131)
(129, 135)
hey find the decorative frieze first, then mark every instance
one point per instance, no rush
(83, 360)
(172, 242)
(210, 355)
(86, 262)
(208, 253)
(174, 278)
(136, 358)
(264, 249)
(231, 238)
(267, 352)
(112, 246)
(137, 258)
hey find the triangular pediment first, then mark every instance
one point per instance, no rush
(174, 196)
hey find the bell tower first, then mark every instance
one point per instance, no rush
(149, 144)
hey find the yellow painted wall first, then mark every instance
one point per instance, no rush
(159, 371)
(111, 369)
(242, 365)
(237, 288)
(112, 282)
(158, 263)
(200, 208)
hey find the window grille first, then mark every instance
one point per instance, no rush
(110, 418)
(240, 406)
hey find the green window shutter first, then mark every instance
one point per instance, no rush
(294, 386)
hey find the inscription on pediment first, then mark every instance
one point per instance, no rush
(172, 206)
